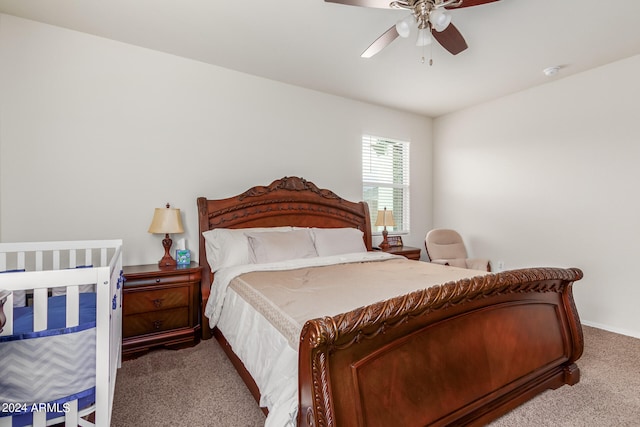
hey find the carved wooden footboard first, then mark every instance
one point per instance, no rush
(462, 353)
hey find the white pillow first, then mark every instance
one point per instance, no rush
(226, 247)
(275, 247)
(337, 241)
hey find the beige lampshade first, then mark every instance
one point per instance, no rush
(166, 221)
(385, 219)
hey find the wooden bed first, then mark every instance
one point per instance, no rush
(461, 353)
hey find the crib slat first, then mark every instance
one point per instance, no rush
(20, 260)
(40, 309)
(38, 260)
(73, 305)
(72, 258)
(86, 411)
(39, 419)
(56, 260)
(71, 413)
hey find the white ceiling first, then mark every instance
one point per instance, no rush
(317, 45)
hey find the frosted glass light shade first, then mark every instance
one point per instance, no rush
(403, 26)
(424, 37)
(439, 19)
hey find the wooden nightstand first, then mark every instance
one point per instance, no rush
(406, 251)
(160, 307)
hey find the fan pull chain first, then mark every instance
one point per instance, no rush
(430, 55)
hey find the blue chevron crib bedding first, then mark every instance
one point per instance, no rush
(54, 366)
(60, 351)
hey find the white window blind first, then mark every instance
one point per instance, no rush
(385, 179)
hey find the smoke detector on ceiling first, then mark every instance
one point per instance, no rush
(551, 71)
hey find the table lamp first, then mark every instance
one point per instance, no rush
(166, 221)
(384, 218)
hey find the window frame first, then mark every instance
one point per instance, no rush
(401, 218)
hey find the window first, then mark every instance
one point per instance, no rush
(385, 179)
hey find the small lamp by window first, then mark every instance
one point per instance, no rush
(166, 221)
(384, 218)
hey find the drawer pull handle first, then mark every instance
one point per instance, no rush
(157, 280)
(157, 302)
(157, 324)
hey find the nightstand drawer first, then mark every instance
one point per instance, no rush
(161, 299)
(166, 280)
(148, 323)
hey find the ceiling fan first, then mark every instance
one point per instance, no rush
(430, 17)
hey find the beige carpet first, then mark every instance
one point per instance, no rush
(193, 387)
(608, 393)
(199, 387)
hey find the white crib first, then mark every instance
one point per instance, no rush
(60, 276)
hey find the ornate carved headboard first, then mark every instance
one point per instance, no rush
(290, 201)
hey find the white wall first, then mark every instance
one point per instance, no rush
(95, 134)
(548, 177)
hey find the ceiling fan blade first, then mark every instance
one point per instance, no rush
(382, 4)
(451, 39)
(469, 3)
(381, 42)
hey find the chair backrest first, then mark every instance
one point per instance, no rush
(445, 244)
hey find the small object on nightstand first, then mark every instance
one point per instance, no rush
(183, 257)
(406, 251)
(394, 241)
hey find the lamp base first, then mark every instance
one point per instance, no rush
(385, 243)
(167, 260)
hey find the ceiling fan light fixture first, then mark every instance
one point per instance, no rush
(439, 19)
(432, 19)
(424, 37)
(403, 26)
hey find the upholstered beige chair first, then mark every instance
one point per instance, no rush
(446, 247)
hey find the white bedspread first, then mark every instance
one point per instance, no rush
(224, 276)
(266, 353)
